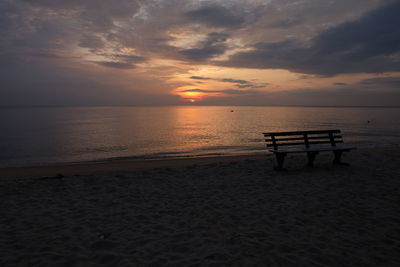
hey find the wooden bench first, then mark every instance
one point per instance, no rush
(310, 142)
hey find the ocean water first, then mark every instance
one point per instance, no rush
(45, 135)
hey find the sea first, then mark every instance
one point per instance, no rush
(33, 136)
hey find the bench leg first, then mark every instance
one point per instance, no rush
(280, 158)
(337, 158)
(311, 156)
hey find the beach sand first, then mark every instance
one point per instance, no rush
(223, 211)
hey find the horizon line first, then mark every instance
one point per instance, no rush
(198, 105)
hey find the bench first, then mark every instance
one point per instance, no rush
(310, 142)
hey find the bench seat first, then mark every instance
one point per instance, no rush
(311, 149)
(309, 142)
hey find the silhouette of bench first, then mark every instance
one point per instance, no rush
(310, 142)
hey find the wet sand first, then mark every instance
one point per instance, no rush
(230, 211)
(110, 166)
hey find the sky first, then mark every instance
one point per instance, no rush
(200, 52)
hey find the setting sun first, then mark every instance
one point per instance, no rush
(191, 100)
(190, 96)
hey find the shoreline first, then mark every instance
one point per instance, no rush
(118, 165)
(127, 165)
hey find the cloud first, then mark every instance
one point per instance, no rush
(225, 91)
(199, 78)
(97, 15)
(235, 81)
(130, 58)
(339, 84)
(346, 96)
(121, 61)
(251, 85)
(118, 65)
(349, 95)
(91, 41)
(54, 84)
(228, 80)
(387, 82)
(48, 44)
(243, 83)
(213, 45)
(286, 22)
(369, 44)
(238, 83)
(203, 53)
(215, 16)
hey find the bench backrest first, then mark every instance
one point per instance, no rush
(303, 138)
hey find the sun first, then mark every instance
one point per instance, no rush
(191, 100)
(191, 97)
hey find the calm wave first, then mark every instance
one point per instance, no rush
(35, 136)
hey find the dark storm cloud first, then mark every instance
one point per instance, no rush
(215, 16)
(225, 91)
(214, 45)
(363, 45)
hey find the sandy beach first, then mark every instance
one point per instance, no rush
(223, 211)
